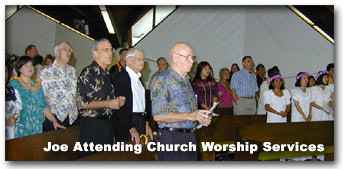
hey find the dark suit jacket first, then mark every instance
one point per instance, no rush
(122, 122)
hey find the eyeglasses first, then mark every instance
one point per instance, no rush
(139, 59)
(67, 49)
(188, 56)
(107, 49)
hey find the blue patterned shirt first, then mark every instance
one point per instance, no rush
(170, 93)
(60, 90)
(245, 83)
(32, 114)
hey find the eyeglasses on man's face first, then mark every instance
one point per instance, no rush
(107, 50)
(66, 49)
(188, 57)
(138, 58)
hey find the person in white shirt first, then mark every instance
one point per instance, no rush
(321, 99)
(301, 99)
(265, 87)
(131, 121)
(301, 107)
(277, 101)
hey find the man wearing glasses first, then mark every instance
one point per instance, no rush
(174, 105)
(59, 82)
(130, 121)
(96, 98)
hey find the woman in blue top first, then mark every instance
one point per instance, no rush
(34, 107)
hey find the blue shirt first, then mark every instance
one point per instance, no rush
(245, 83)
(170, 93)
(32, 114)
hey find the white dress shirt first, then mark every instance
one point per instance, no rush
(138, 91)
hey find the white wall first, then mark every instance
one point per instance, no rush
(277, 36)
(209, 31)
(222, 35)
(28, 27)
(81, 46)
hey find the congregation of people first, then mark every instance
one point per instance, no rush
(110, 104)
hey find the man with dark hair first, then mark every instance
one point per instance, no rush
(330, 69)
(120, 65)
(260, 74)
(244, 88)
(31, 51)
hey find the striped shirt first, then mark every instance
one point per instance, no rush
(245, 83)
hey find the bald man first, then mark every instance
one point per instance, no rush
(174, 106)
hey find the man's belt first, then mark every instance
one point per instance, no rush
(179, 130)
(251, 97)
(139, 113)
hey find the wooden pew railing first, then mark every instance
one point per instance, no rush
(287, 133)
(30, 148)
(228, 126)
(224, 128)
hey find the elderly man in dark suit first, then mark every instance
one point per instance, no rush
(131, 121)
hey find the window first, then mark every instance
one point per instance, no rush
(162, 12)
(142, 27)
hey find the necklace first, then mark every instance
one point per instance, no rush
(205, 93)
(32, 88)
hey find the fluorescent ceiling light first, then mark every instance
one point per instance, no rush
(107, 21)
(324, 34)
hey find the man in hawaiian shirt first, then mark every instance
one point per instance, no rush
(174, 105)
(96, 98)
(59, 82)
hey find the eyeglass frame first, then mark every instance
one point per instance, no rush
(106, 49)
(143, 59)
(66, 49)
(187, 57)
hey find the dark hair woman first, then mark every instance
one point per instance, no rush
(277, 101)
(321, 96)
(234, 68)
(205, 86)
(34, 107)
(265, 87)
(301, 99)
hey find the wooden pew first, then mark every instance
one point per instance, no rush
(224, 129)
(122, 156)
(30, 148)
(286, 133)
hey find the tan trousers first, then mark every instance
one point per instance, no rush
(244, 106)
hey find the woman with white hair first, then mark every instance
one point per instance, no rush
(225, 96)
